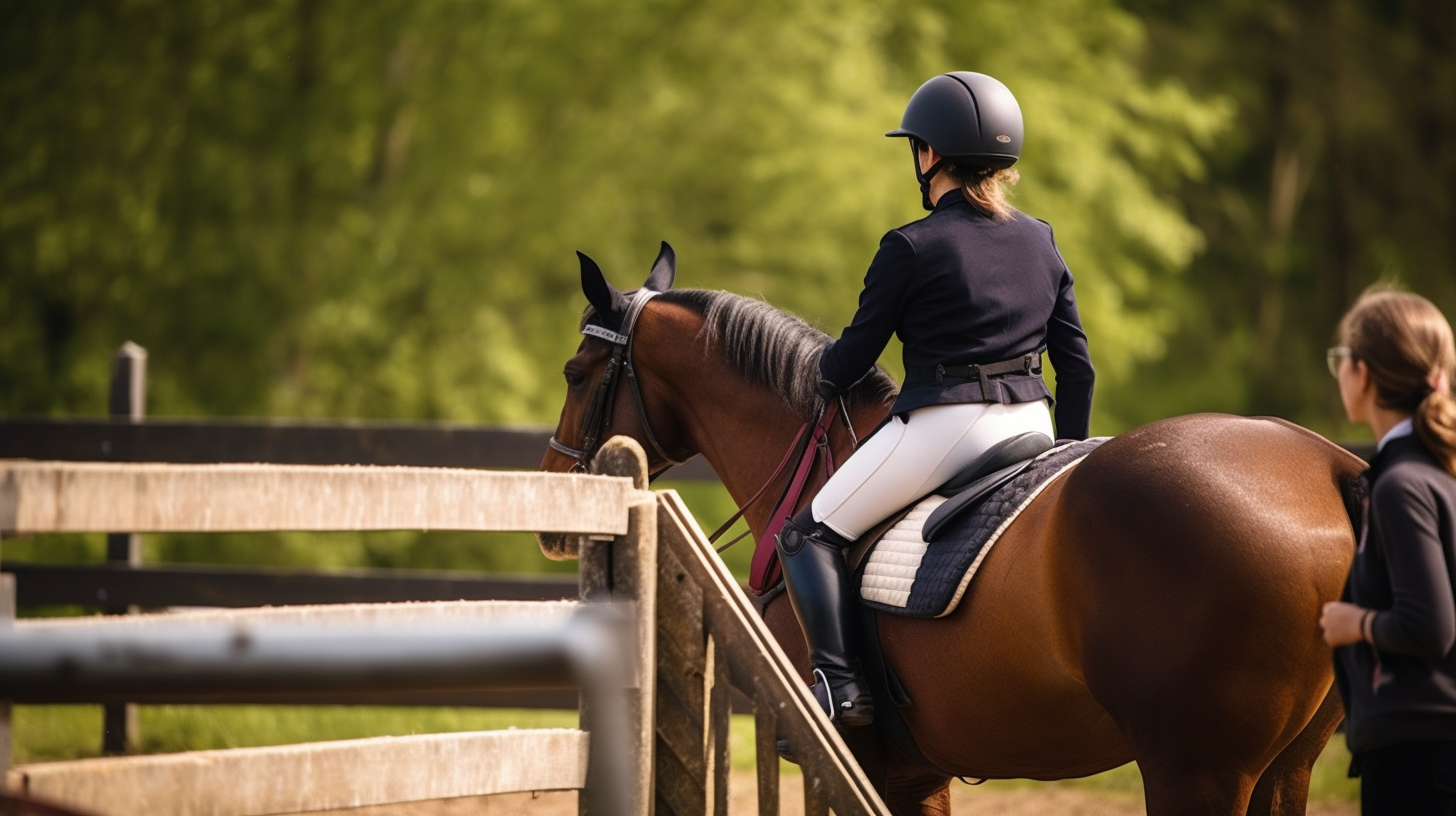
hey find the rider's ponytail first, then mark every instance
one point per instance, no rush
(987, 189)
(1407, 344)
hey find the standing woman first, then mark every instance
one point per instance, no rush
(1396, 627)
(976, 291)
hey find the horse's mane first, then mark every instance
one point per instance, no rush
(774, 349)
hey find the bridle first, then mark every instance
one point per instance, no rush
(598, 416)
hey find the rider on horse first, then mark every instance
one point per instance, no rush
(976, 291)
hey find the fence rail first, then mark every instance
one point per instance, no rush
(287, 442)
(164, 586)
(374, 649)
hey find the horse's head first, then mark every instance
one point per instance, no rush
(605, 392)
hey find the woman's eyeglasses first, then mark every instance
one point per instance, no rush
(1333, 358)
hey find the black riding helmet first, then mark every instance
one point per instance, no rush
(969, 118)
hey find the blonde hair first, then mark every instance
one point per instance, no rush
(1407, 344)
(986, 189)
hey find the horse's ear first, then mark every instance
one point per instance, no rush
(664, 270)
(602, 295)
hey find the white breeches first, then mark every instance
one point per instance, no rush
(905, 461)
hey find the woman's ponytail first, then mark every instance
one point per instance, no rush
(1435, 423)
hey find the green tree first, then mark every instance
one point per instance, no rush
(1338, 174)
(313, 208)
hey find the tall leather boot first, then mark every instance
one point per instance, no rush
(817, 578)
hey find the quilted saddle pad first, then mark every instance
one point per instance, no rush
(906, 575)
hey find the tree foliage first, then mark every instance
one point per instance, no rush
(1338, 174)
(317, 208)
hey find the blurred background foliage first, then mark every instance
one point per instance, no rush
(330, 209)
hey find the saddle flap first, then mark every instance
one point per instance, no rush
(1018, 449)
(968, 498)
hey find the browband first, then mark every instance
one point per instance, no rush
(634, 310)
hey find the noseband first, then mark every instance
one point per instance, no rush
(598, 417)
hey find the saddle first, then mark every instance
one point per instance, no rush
(998, 465)
(919, 563)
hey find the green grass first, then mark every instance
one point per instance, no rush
(48, 733)
(1327, 784)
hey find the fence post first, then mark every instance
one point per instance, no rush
(7, 618)
(126, 403)
(624, 570)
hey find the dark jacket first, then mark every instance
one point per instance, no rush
(1404, 689)
(960, 288)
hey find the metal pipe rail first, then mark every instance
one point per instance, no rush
(589, 649)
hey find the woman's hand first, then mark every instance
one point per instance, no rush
(1343, 623)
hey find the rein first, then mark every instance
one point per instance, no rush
(796, 448)
(598, 416)
(811, 442)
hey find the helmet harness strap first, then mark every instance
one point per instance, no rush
(925, 176)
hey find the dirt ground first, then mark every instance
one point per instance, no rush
(1042, 801)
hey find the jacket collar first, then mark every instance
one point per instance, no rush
(1395, 448)
(950, 199)
(1405, 427)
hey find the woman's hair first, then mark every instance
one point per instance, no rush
(986, 188)
(1406, 343)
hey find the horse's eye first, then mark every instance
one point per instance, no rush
(573, 379)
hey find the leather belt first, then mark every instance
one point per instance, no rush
(1029, 363)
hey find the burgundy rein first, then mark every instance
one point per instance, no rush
(812, 437)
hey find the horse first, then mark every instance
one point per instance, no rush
(1157, 604)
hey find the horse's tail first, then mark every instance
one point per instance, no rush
(1350, 476)
(1355, 490)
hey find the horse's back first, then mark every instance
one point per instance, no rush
(1148, 602)
(1190, 500)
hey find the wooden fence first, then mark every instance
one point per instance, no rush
(696, 635)
(383, 649)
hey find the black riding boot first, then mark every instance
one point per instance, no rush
(817, 578)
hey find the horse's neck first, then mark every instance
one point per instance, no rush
(742, 428)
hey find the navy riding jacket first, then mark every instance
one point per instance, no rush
(1403, 689)
(960, 288)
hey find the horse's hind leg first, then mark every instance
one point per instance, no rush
(1169, 788)
(1283, 789)
(914, 792)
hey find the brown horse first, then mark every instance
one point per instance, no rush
(1158, 604)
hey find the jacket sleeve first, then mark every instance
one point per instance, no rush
(881, 305)
(1067, 350)
(1422, 619)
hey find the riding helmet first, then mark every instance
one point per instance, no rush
(969, 118)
